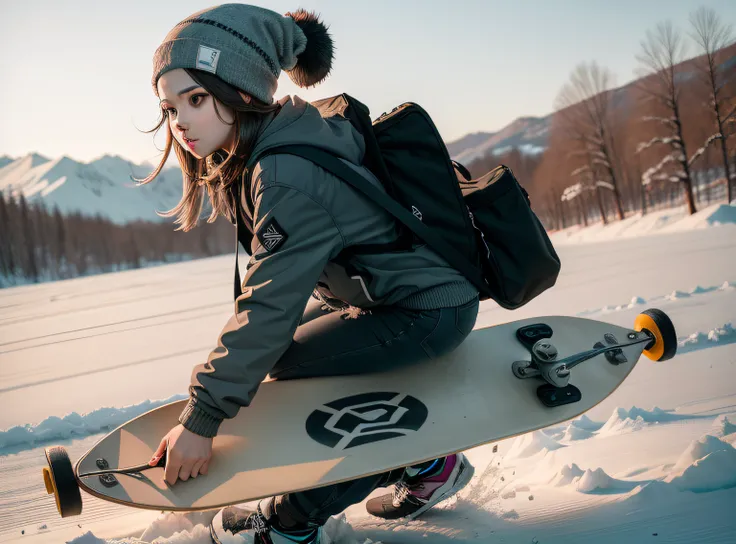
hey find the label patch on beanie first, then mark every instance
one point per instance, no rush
(207, 58)
(271, 235)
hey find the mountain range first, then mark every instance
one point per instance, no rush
(103, 186)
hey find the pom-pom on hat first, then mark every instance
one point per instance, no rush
(248, 46)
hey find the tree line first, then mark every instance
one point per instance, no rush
(42, 245)
(665, 140)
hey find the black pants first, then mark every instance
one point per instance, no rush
(330, 343)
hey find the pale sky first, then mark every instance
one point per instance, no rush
(76, 73)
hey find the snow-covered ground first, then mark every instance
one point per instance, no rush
(655, 462)
(654, 222)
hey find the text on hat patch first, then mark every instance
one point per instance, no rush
(207, 58)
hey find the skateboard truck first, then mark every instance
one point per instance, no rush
(545, 363)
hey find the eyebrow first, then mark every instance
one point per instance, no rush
(183, 91)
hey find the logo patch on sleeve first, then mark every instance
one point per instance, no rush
(271, 235)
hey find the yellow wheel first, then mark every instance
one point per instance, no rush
(61, 483)
(664, 338)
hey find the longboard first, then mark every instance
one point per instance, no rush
(502, 381)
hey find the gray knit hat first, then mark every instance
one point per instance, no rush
(248, 46)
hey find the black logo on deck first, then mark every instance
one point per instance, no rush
(362, 419)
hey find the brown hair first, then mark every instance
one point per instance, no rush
(217, 173)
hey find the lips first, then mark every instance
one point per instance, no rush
(189, 142)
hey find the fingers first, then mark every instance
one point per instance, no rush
(158, 453)
(197, 468)
(205, 467)
(185, 471)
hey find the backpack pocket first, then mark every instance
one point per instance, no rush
(518, 259)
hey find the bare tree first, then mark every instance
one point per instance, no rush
(589, 183)
(585, 105)
(575, 192)
(662, 51)
(711, 34)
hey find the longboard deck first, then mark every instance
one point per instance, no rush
(301, 434)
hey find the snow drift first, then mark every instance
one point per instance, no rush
(75, 426)
(722, 426)
(567, 475)
(573, 433)
(708, 464)
(531, 444)
(702, 340)
(623, 421)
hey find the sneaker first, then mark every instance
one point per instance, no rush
(417, 493)
(235, 525)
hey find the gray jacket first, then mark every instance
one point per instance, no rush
(303, 217)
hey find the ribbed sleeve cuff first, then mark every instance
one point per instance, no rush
(198, 421)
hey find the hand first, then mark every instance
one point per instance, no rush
(188, 454)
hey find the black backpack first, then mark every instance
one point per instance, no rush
(485, 228)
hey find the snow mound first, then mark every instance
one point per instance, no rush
(593, 480)
(701, 340)
(712, 216)
(699, 449)
(715, 471)
(75, 425)
(199, 534)
(699, 290)
(169, 524)
(89, 538)
(584, 422)
(573, 433)
(623, 421)
(676, 295)
(656, 490)
(723, 426)
(531, 444)
(171, 528)
(567, 475)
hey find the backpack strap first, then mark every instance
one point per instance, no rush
(244, 236)
(335, 166)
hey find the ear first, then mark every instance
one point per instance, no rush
(246, 97)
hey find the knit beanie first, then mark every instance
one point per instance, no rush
(248, 46)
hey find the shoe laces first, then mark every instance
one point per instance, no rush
(258, 523)
(401, 491)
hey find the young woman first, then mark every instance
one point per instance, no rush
(215, 74)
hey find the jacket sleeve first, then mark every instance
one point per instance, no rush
(295, 238)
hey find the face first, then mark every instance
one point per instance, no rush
(191, 115)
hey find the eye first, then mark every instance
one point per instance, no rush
(198, 102)
(168, 111)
